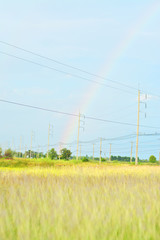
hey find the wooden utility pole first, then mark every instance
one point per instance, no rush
(31, 144)
(131, 151)
(20, 146)
(136, 160)
(80, 153)
(48, 139)
(42, 152)
(159, 157)
(78, 136)
(93, 152)
(59, 151)
(100, 150)
(38, 152)
(25, 151)
(12, 144)
(110, 152)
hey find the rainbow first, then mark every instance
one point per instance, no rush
(118, 51)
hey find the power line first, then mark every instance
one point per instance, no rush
(115, 148)
(75, 68)
(38, 108)
(64, 72)
(74, 115)
(67, 65)
(122, 123)
(83, 143)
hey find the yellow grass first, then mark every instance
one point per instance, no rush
(86, 201)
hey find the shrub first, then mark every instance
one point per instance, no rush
(52, 154)
(103, 159)
(65, 153)
(152, 159)
(85, 159)
(8, 153)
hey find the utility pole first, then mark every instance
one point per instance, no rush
(70, 150)
(25, 150)
(42, 152)
(31, 144)
(59, 151)
(12, 144)
(20, 146)
(38, 151)
(131, 151)
(136, 160)
(80, 152)
(159, 157)
(100, 150)
(93, 152)
(78, 135)
(48, 139)
(105, 156)
(110, 152)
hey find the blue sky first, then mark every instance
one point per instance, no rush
(83, 34)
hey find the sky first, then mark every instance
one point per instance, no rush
(118, 40)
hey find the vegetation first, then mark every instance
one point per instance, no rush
(85, 159)
(65, 153)
(8, 153)
(52, 154)
(25, 163)
(152, 159)
(122, 159)
(84, 201)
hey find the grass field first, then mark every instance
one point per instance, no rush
(65, 200)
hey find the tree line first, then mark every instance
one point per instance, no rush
(52, 154)
(65, 154)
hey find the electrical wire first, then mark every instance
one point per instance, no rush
(64, 72)
(67, 65)
(75, 115)
(74, 68)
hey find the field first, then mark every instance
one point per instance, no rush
(79, 201)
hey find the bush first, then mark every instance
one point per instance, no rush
(85, 159)
(103, 159)
(65, 153)
(8, 153)
(52, 154)
(152, 159)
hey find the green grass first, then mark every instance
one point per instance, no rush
(23, 163)
(17, 163)
(44, 162)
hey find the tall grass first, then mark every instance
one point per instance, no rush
(80, 202)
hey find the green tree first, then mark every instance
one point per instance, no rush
(65, 153)
(152, 159)
(41, 155)
(8, 153)
(52, 154)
